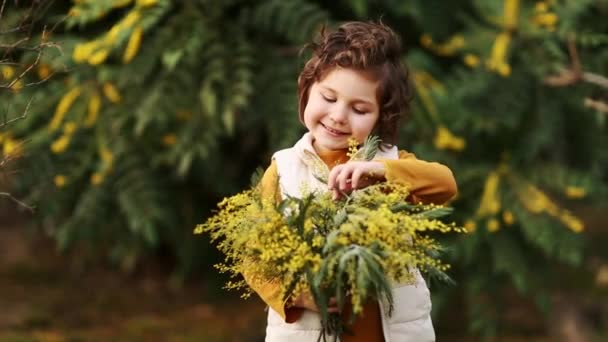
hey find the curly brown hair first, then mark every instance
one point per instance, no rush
(365, 46)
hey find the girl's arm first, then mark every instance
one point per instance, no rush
(428, 182)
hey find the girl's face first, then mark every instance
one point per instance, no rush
(340, 106)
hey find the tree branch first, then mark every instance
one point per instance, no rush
(575, 73)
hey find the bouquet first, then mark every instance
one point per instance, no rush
(354, 248)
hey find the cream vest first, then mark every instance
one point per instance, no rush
(410, 320)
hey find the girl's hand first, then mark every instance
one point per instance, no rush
(306, 301)
(354, 175)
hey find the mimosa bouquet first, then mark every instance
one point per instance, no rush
(354, 248)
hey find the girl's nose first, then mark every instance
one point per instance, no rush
(339, 114)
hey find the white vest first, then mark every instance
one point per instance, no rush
(410, 320)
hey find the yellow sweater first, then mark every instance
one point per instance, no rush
(429, 182)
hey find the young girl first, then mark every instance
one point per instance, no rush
(354, 86)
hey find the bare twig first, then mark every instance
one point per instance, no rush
(575, 73)
(600, 106)
(595, 79)
(20, 117)
(12, 198)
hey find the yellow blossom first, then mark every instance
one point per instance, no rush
(93, 110)
(99, 56)
(575, 192)
(97, 178)
(61, 144)
(11, 147)
(43, 71)
(133, 45)
(130, 19)
(536, 201)
(111, 92)
(169, 139)
(545, 19)
(541, 7)
(60, 181)
(63, 107)
(106, 155)
(445, 140)
(7, 71)
(511, 13)
(471, 60)
(69, 128)
(498, 58)
(490, 202)
(426, 40)
(493, 225)
(508, 217)
(83, 51)
(572, 222)
(112, 35)
(146, 3)
(470, 226)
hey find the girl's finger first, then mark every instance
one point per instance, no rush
(345, 179)
(355, 178)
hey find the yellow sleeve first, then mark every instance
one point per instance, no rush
(270, 292)
(429, 182)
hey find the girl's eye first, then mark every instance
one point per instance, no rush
(359, 111)
(328, 99)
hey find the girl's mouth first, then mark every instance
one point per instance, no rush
(334, 131)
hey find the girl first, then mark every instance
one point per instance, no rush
(353, 86)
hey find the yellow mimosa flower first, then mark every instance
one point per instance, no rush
(490, 202)
(11, 147)
(83, 51)
(99, 56)
(133, 45)
(493, 225)
(111, 92)
(7, 72)
(426, 40)
(43, 71)
(508, 217)
(541, 7)
(572, 222)
(130, 19)
(69, 128)
(575, 192)
(545, 19)
(106, 155)
(93, 110)
(445, 140)
(471, 60)
(60, 181)
(63, 107)
(61, 144)
(169, 139)
(146, 3)
(97, 178)
(470, 226)
(511, 13)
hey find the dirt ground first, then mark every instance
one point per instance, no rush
(48, 297)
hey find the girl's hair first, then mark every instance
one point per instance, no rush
(366, 46)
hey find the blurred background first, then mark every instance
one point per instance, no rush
(124, 122)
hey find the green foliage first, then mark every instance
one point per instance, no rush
(163, 107)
